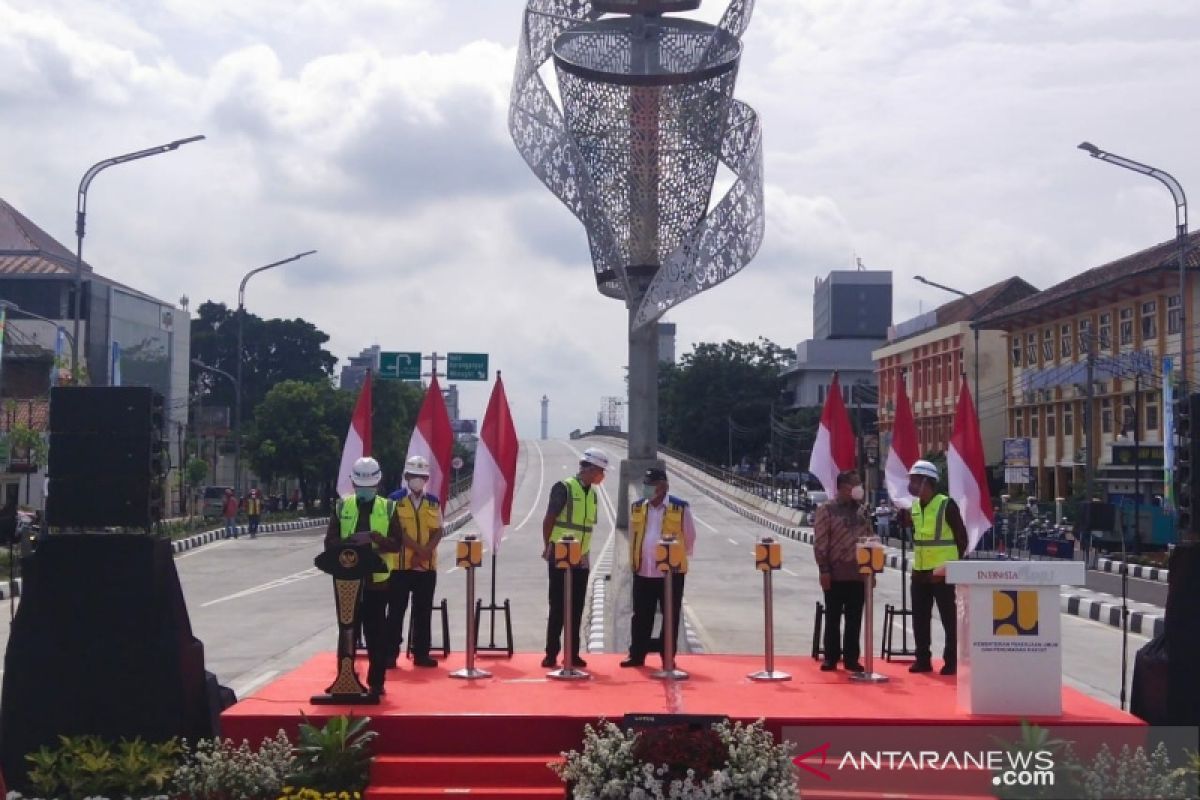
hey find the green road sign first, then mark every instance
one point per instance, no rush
(400, 366)
(467, 366)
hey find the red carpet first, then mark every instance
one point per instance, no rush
(433, 728)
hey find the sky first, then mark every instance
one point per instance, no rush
(930, 137)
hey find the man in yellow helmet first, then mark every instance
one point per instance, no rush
(938, 536)
(572, 511)
(366, 517)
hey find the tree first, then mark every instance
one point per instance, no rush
(717, 385)
(276, 350)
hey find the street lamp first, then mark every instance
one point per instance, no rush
(974, 327)
(237, 413)
(81, 218)
(237, 399)
(1181, 232)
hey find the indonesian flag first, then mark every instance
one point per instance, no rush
(968, 478)
(833, 451)
(434, 439)
(495, 474)
(358, 439)
(904, 451)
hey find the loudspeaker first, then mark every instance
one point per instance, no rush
(107, 459)
(1179, 625)
(101, 644)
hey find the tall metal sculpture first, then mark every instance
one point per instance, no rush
(647, 114)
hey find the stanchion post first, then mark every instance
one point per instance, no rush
(568, 553)
(669, 554)
(469, 556)
(768, 557)
(870, 555)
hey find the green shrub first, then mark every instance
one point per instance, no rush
(335, 757)
(87, 766)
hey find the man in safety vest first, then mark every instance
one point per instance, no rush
(938, 536)
(254, 506)
(366, 517)
(572, 511)
(421, 527)
(656, 516)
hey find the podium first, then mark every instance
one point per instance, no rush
(1009, 635)
(351, 564)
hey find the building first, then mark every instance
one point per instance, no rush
(355, 371)
(933, 353)
(852, 311)
(1123, 317)
(126, 337)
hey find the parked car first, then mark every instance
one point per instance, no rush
(213, 500)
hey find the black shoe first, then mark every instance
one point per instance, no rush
(633, 662)
(854, 666)
(921, 666)
(392, 664)
(424, 661)
(949, 669)
(377, 690)
(828, 666)
(550, 661)
(578, 662)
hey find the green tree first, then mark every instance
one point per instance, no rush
(395, 406)
(715, 384)
(276, 350)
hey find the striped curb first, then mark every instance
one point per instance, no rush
(595, 615)
(1110, 613)
(1157, 574)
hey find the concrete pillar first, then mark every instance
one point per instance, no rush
(643, 413)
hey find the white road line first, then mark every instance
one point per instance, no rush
(702, 522)
(789, 572)
(732, 541)
(312, 572)
(452, 569)
(208, 548)
(537, 501)
(246, 689)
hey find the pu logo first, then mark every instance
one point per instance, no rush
(1015, 613)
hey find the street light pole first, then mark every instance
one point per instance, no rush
(237, 399)
(81, 221)
(237, 411)
(974, 327)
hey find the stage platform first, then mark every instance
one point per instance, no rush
(519, 713)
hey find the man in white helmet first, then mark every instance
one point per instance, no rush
(366, 517)
(939, 536)
(421, 528)
(572, 511)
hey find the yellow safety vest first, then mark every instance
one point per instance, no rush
(672, 525)
(418, 524)
(253, 506)
(578, 516)
(933, 543)
(381, 515)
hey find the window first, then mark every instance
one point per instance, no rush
(1126, 327)
(1051, 422)
(1016, 351)
(1106, 415)
(1149, 319)
(1150, 412)
(1019, 426)
(1174, 314)
(1035, 417)
(1085, 331)
(821, 394)
(937, 376)
(1031, 349)
(1047, 346)
(1068, 420)
(1105, 336)
(1065, 342)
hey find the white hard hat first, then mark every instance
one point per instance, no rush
(924, 469)
(417, 465)
(596, 457)
(366, 472)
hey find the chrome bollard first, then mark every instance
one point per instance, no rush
(469, 555)
(768, 557)
(669, 555)
(870, 556)
(568, 552)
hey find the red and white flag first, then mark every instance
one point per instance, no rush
(434, 439)
(833, 451)
(358, 439)
(967, 473)
(904, 451)
(495, 474)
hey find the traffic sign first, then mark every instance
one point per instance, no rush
(467, 366)
(456, 463)
(400, 366)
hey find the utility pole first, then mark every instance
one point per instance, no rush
(545, 417)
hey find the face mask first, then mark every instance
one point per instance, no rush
(417, 484)
(856, 494)
(649, 492)
(364, 492)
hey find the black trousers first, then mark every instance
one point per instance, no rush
(420, 584)
(374, 612)
(844, 598)
(924, 595)
(254, 519)
(554, 623)
(648, 598)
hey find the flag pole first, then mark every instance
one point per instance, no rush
(492, 608)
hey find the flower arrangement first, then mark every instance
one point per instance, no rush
(729, 761)
(292, 793)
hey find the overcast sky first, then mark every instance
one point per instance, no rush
(933, 137)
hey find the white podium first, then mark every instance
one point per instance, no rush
(1009, 634)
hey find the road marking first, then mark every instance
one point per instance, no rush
(702, 522)
(732, 541)
(311, 572)
(537, 501)
(206, 548)
(452, 569)
(789, 572)
(246, 689)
